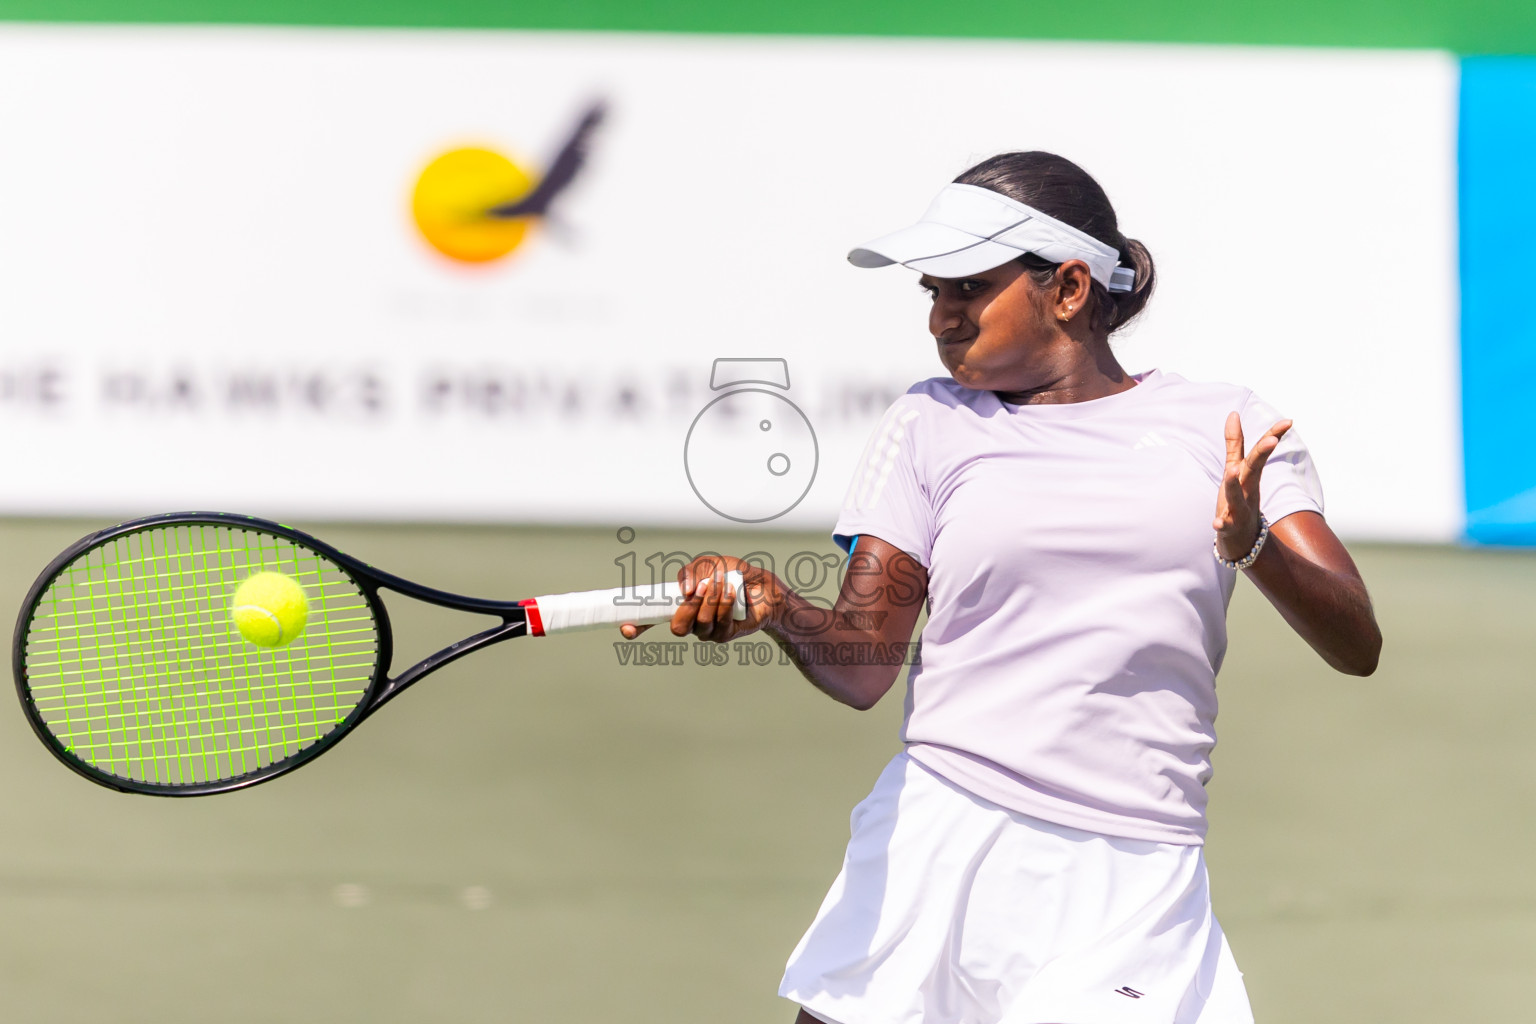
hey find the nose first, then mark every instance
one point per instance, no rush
(945, 318)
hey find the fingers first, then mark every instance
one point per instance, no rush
(1266, 446)
(708, 601)
(630, 630)
(688, 609)
(708, 593)
(1237, 515)
(1253, 463)
(690, 581)
(1237, 501)
(1232, 492)
(690, 575)
(717, 596)
(1234, 434)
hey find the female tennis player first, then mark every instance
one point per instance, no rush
(1034, 856)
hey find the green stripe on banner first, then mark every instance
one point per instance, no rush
(1465, 26)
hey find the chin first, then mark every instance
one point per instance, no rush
(969, 378)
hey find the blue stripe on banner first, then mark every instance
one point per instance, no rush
(1498, 304)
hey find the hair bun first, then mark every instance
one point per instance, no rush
(1128, 305)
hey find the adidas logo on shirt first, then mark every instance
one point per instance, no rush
(1149, 440)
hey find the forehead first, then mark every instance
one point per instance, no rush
(1007, 272)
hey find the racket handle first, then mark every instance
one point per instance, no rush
(592, 609)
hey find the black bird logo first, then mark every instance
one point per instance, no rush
(567, 164)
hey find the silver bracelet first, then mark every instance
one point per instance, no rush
(1251, 556)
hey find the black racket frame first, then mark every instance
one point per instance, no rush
(370, 581)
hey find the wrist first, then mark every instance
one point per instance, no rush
(778, 602)
(1234, 542)
(1247, 559)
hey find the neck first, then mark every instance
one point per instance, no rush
(1095, 374)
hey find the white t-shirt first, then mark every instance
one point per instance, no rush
(1077, 617)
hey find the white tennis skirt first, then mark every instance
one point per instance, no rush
(953, 910)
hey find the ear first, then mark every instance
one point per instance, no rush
(1074, 290)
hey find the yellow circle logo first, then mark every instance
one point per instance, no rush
(454, 200)
(474, 205)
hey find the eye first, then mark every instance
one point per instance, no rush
(929, 290)
(971, 286)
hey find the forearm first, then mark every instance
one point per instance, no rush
(845, 654)
(852, 652)
(1322, 597)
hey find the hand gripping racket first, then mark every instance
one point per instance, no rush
(132, 671)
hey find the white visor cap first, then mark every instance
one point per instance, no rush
(968, 229)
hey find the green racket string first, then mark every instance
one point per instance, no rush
(134, 664)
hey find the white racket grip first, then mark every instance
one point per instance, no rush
(593, 609)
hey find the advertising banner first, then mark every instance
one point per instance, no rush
(569, 277)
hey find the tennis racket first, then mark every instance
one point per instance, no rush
(132, 672)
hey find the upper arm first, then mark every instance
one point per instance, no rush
(888, 498)
(884, 590)
(1309, 535)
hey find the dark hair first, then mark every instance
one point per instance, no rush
(1059, 188)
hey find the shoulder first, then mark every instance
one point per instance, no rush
(1176, 389)
(936, 407)
(914, 426)
(1216, 398)
(939, 397)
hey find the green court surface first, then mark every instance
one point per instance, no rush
(543, 833)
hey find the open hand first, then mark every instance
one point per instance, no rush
(1237, 502)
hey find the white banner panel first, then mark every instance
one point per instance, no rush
(218, 286)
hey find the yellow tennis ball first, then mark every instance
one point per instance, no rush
(270, 609)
